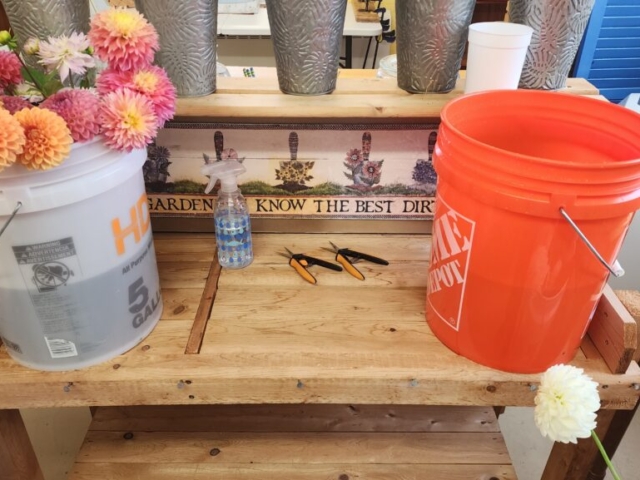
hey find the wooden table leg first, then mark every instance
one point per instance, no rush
(573, 462)
(621, 418)
(611, 441)
(17, 459)
(583, 461)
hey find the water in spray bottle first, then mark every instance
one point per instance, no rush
(232, 222)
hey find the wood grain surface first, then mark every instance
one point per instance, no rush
(308, 418)
(616, 341)
(17, 459)
(294, 442)
(118, 471)
(359, 96)
(272, 339)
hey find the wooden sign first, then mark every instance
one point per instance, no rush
(298, 171)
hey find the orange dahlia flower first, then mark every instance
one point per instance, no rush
(48, 138)
(12, 139)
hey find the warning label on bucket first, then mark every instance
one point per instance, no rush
(47, 266)
(44, 252)
(450, 253)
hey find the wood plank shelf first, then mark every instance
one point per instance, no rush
(272, 338)
(359, 97)
(304, 442)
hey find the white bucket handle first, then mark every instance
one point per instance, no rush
(616, 270)
(13, 214)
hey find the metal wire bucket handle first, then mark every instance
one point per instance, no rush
(616, 270)
(11, 217)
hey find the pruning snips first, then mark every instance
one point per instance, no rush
(301, 262)
(347, 258)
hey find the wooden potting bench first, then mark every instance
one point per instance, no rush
(255, 374)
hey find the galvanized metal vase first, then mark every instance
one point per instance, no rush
(431, 36)
(558, 27)
(188, 32)
(45, 18)
(307, 35)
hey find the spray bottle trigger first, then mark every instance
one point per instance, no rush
(212, 183)
(208, 170)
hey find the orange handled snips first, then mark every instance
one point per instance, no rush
(300, 262)
(347, 258)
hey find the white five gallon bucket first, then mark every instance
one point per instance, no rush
(78, 276)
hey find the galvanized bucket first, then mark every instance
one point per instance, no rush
(431, 38)
(188, 32)
(558, 27)
(307, 35)
(46, 18)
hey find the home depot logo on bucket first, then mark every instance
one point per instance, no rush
(450, 253)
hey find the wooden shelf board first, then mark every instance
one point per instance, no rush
(359, 96)
(280, 340)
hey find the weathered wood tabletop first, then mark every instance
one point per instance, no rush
(264, 336)
(273, 338)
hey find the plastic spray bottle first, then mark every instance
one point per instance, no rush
(232, 222)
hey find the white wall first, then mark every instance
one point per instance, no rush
(259, 52)
(98, 5)
(629, 258)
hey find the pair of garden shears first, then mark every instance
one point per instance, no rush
(347, 258)
(301, 262)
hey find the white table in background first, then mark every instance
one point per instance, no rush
(240, 25)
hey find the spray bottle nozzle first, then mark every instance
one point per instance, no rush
(227, 171)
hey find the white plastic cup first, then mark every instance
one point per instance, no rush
(496, 55)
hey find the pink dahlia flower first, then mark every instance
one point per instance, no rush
(13, 104)
(123, 38)
(155, 84)
(80, 109)
(10, 73)
(128, 120)
(150, 81)
(112, 80)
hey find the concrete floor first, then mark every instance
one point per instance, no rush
(58, 433)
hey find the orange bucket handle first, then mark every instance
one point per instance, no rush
(616, 270)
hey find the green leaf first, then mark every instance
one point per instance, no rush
(47, 83)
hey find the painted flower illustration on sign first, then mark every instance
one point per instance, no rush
(353, 158)
(424, 174)
(229, 154)
(156, 168)
(371, 172)
(294, 173)
(221, 152)
(364, 173)
(224, 153)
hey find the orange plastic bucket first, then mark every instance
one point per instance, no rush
(511, 284)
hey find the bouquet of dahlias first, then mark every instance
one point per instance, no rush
(44, 110)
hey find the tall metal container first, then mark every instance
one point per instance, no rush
(307, 35)
(558, 27)
(45, 18)
(188, 33)
(431, 38)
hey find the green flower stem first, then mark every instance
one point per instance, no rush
(607, 460)
(26, 69)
